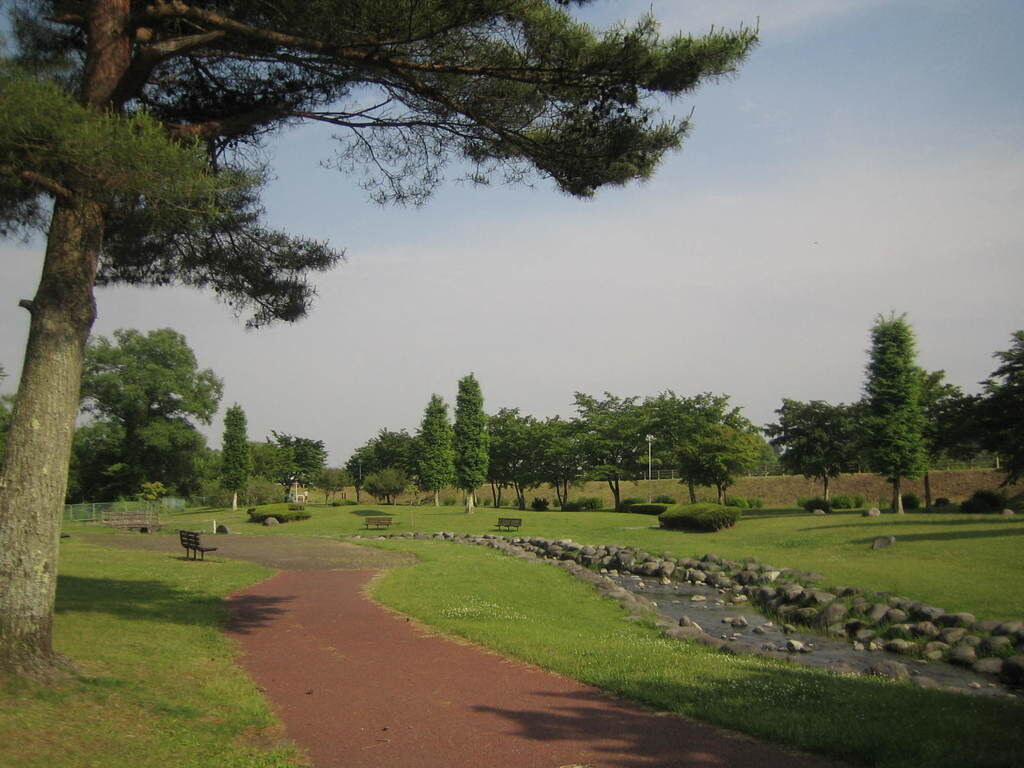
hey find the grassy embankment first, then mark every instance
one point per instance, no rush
(554, 621)
(155, 682)
(960, 562)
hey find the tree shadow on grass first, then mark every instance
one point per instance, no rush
(947, 536)
(372, 513)
(627, 735)
(150, 600)
(902, 522)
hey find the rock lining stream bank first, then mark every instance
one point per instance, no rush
(748, 607)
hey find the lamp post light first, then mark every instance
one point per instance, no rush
(650, 493)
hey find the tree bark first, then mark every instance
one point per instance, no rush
(437, 498)
(614, 485)
(692, 490)
(897, 497)
(33, 480)
(234, 501)
(470, 502)
(927, 491)
(824, 483)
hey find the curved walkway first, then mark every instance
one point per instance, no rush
(358, 686)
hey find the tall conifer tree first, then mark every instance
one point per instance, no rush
(435, 455)
(470, 439)
(236, 464)
(895, 420)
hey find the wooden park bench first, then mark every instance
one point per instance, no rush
(141, 520)
(190, 541)
(509, 523)
(378, 522)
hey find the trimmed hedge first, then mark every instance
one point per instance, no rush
(700, 517)
(647, 509)
(282, 517)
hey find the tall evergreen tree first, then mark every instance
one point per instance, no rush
(235, 462)
(470, 439)
(895, 419)
(131, 136)
(435, 455)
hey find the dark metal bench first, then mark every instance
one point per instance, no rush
(378, 522)
(509, 523)
(193, 546)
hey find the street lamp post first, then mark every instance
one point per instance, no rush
(650, 442)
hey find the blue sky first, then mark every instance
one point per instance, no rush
(868, 158)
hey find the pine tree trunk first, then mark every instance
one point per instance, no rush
(470, 502)
(692, 490)
(825, 487)
(927, 491)
(33, 480)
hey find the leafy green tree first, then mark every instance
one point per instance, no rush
(514, 453)
(1001, 410)
(386, 484)
(470, 439)
(435, 455)
(149, 389)
(614, 438)
(333, 480)
(718, 457)
(307, 458)
(236, 464)
(943, 436)
(151, 492)
(359, 465)
(816, 439)
(152, 97)
(895, 420)
(559, 454)
(271, 461)
(680, 423)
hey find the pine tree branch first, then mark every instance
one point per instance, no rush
(45, 183)
(149, 56)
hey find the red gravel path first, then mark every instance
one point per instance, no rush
(359, 687)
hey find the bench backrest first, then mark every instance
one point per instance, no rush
(510, 521)
(189, 538)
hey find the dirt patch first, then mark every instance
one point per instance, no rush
(286, 553)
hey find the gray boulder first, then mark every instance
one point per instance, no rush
(891, 669)
(883, 541)
(956, 620)
(223, 529)
(990, 666)
(271, 521)
(873, 512)
(963, 655)
(1013, 670)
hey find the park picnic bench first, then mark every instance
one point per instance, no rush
(193, 546)
(378, 522)
(509, 523)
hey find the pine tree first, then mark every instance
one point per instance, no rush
(895, 420)
(435, 455)
(236, 464)
(470, 439)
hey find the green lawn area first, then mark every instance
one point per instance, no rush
(156, 683)
(959, 562)
(557, 622)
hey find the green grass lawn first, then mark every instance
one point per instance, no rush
(960, 562)
(155, 684)
(544, 616)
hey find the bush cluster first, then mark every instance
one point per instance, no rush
(911, 501)
(539, 504)
(647, 509)
(814, 503)
(700, 517)
(849, 501)
(583, 502)
(255, 516)
(664, 500)
(984, 502)
(743, 502)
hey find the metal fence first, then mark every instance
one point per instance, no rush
(96, 512)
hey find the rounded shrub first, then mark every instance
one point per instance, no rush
(816, 503)
(699, 517)
(911, 501)
(848, 501)
(539, 504)
(984, 502)
(663, 500)
(647, 509)
(737, 501)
